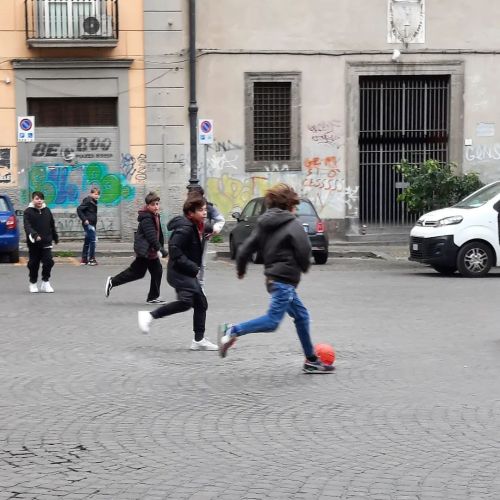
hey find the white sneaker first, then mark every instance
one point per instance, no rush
(203, 345)
(144, 319)
(45, 287)
(33, 288)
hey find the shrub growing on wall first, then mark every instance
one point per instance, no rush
(433, 185)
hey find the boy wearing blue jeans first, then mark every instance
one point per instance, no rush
(285, 249)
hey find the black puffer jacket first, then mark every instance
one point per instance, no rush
(281, 240)
(147, 226)
(40, 222)
(87, 210)
(185, 250)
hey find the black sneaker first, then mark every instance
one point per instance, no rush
(108, 287)
(317, 367)
(156, 301)
(92, 262)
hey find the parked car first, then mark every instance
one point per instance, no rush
(307, 215)
(9, 229)
(464, 237)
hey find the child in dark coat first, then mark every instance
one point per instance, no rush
(185, 250)
(150, 231)
(40, 233)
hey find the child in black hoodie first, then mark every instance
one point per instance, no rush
(40, 233)
(185, 248)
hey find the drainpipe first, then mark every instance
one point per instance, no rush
(193, 106)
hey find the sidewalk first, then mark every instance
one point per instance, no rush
(338, 249)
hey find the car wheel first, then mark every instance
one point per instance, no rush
(474, 259)
(232, 249)
(14, 256)
(320, 257)
(446, 270)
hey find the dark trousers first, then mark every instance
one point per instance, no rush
(36, 255)
(137, 270)
(88, 251)
(185, 301)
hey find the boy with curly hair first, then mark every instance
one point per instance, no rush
(284, 246)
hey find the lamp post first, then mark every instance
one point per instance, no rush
(193, 105)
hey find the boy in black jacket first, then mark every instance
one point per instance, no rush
(40, 233)
(87, 211)
(185, 248)
(150, 228)
(280, 239)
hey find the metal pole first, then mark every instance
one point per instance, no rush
(193, 106)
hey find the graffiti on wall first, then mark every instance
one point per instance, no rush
(65, 185)
(326, 132)
(482, 152)
(134, 168)
(5, 167)
(232, 193)
(324, 174)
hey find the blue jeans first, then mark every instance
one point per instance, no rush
(284, 299)
(88, 251)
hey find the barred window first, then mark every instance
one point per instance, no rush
(271, 118)
(272, 121)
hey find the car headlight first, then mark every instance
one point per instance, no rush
(448, 221)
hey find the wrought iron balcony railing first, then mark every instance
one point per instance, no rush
(71, 23)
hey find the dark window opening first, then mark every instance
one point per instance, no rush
(272, 121)
(74, 111)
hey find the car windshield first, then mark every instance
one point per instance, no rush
(305, 208)
(3, 205)
(480, 197)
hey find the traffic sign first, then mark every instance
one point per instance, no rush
(205, 131)
(25, 128)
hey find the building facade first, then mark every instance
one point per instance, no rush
(325, 97)
(77, 68)
(329, 97)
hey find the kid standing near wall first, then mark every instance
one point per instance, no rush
(87, 211)
(40, 233)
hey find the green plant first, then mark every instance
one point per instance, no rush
(217, 238)
(433, 185)
(64, 253)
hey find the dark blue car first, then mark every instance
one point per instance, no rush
(9, 229)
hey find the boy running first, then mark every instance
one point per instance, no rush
(185, 248)
(281, 240)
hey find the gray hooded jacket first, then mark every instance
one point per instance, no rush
(283, 244)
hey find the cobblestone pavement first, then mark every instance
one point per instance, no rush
(91, 409)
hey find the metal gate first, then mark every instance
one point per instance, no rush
(401, 117)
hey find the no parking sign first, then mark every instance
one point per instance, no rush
(205, 131)
(25, 128)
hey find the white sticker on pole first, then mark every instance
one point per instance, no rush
(206, 131)
(25, 128)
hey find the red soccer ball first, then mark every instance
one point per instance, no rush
(325, 353)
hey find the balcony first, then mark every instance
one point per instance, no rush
(71, 23)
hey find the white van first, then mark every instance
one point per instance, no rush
(465, 236)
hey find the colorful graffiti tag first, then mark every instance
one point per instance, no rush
(64, 185)
(230, 193)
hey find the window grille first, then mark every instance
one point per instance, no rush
(272, 121)
(401, 117)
